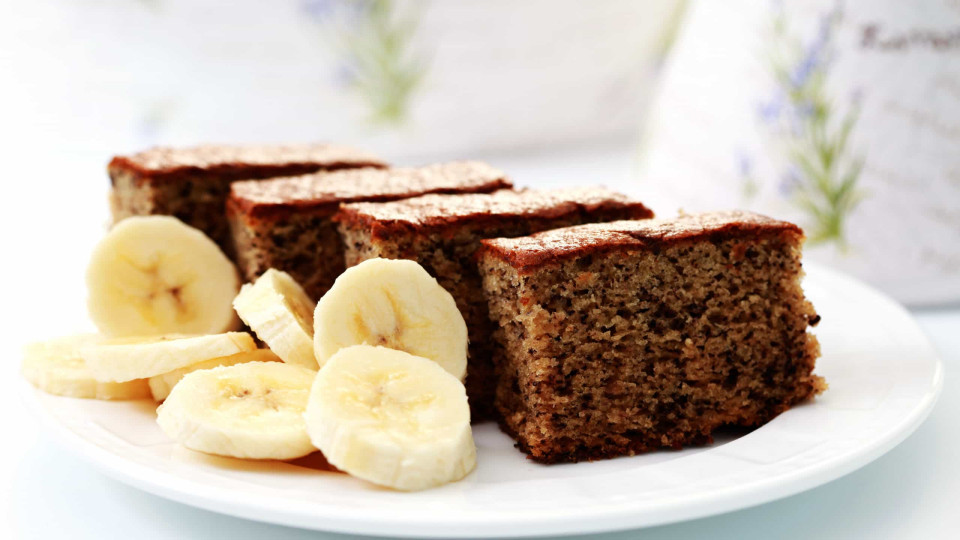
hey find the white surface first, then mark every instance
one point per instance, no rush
(46, 492)
(884, 379)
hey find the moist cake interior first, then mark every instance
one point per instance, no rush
(626, 351)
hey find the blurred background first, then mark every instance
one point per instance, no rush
(841, 116)
(412, 79)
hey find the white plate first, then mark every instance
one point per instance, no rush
(884, 378)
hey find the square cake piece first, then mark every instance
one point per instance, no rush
(442, 233)
(286, 223)
(192, 183)
(630, 336)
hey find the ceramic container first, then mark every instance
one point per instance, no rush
(841, 116)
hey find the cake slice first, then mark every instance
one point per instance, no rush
(192, 183)
(442, 233)
(631, 336)
(286, 223)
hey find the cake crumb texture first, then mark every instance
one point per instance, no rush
(286, 223)
(443, 233)
(633, 336)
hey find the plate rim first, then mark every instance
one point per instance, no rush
(598, 520)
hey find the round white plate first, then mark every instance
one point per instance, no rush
(884, 378)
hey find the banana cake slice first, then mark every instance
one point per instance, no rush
(442, 233)
(630, 336)
(192, 183)
(285, 223)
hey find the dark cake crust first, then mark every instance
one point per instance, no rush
(257, 161)
(531, 252)
(330, 189)
(433, 213)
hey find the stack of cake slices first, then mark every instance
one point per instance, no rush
(595, 330)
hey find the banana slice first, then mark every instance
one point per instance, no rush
(161, 385)
(391, 418)
(124, 359)
(154, 275)
(281, 314)
(57, 367)
(396, 304)
(252, 410)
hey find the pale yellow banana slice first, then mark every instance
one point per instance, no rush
(57, 367)
(252, 410)
(281, 314)
(161, 385)
(391, 418)
(124, 359)
(395, 304)
(154, 275)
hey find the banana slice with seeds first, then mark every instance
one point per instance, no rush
(395, 304)
(281, 314)
(58, 367)
(124, 359)
(391, 418)
(154, 275)
(252, 410)
(161, 385)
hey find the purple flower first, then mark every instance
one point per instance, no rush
(320, 10)
(811, 60)
(815, 53)
(790, 180)
(826, 26)
(357, 9)
(769, 111)
(345, 74)
(350, 12)
(800, 113)
(801, 74)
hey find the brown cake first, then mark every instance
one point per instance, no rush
(286, 223)
(192, 183)
(631, 336)
(442, 233)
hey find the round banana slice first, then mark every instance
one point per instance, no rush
(124, 359)
(154, 275)
(57, 367)
(395, 304)
(391, 418)
(252, 410)
(281, 314)
(161, 385)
